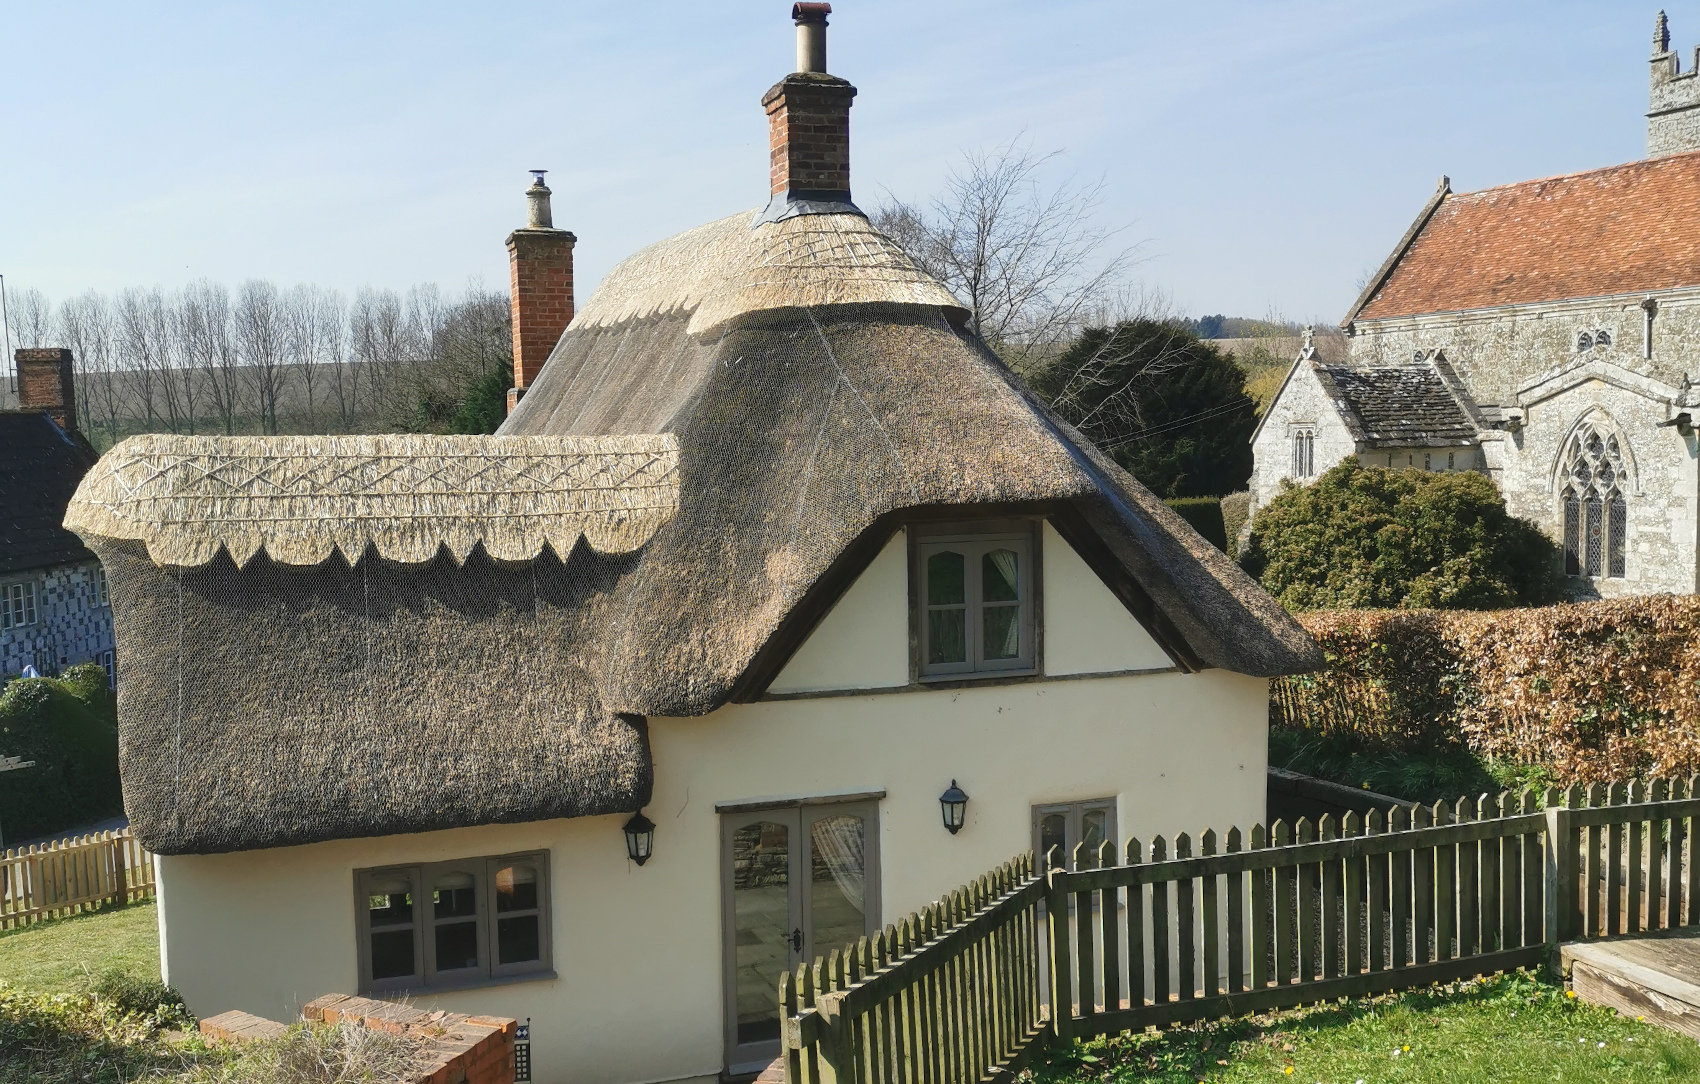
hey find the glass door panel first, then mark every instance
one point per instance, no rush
(838, 883)
(763, 939)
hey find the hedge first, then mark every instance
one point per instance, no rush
(68, 727)
(1593, 691)
(1205, 515)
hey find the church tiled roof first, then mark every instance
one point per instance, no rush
(1627, 229)
(1398, 406)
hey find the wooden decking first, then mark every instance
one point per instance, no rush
(1654, 975)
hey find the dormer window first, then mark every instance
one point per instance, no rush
(975, 592)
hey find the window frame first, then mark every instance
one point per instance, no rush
(102, 592)
(1074, 812)
(1304, 450)
(18, 605)
(426, 975)
(975, 539)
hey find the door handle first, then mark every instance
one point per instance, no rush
(796, 940)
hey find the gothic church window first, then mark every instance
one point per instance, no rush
(1584, 341)
(1595, 509)
(1602, 338)
(1304, 453)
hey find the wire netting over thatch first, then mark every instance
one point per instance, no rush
(818, 388)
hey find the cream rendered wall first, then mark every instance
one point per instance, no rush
(1087, 629)
(638, 951)
(863, 642)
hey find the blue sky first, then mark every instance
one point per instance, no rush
(1265, 154)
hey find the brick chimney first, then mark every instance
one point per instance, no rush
(540, 264)
(45, 385)
(808, 114)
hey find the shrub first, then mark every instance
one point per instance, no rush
(1205, 515)
(68, 725)
(1369, 537)
(141, 996)
(1590, 691)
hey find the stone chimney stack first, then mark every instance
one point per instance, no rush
(1673, 115)
(45, 385)
(540, 265)
(808, 114)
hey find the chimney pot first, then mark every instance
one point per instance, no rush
(538, 215)
(45, 385)
(811, 35)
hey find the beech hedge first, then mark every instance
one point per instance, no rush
(1593, 691)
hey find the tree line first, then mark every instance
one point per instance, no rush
(268, 359)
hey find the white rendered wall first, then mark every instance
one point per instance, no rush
(863, 643)
(1087, 629)
(638, 951)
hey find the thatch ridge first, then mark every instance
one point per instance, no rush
(405, 496)
(727, 269)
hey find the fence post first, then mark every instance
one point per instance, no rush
(1062, 980)
(1561, 888)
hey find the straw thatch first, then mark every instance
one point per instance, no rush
(819, 389)
(726, 269)
(300, 499)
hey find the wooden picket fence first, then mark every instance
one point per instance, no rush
(962, 992)
(73, 875)
(938, 997)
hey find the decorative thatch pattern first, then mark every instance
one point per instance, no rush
(300, 499)
(726, 269)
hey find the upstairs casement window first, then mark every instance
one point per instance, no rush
(976, 606)
(17, 605)
(101, 597)
(1596, 512)
(1304, 453)
(453, 924)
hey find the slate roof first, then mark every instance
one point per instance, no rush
(1626, 229)
(1399, 406)
(40, 466)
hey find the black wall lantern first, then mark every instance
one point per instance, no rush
(953, 804)
(640, 838)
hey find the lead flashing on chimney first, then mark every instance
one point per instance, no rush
(806, 202)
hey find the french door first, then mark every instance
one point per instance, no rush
(797, 882)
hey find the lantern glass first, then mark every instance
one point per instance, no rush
(953, 806)
(640, 838)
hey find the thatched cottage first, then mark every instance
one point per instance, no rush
(605, 720)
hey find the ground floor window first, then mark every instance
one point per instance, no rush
(453, 923)
(1067, 824)
(1596, 511)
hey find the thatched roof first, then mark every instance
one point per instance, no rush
(820, 391)
(405, 496)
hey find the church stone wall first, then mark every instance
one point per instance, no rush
(1496, 352)
(1302, 403)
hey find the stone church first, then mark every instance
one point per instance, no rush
(1546, 333)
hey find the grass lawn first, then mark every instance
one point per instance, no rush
(57, 957)
(1512, 1028)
